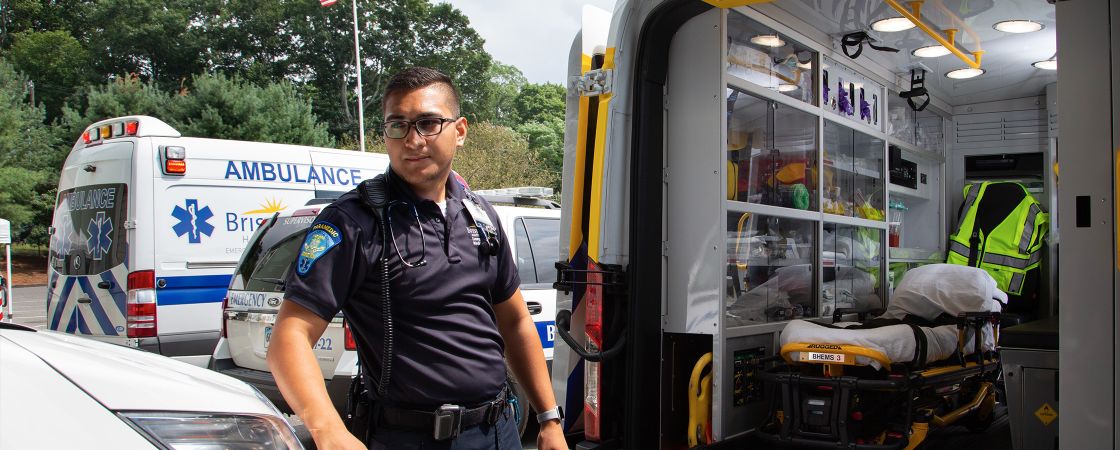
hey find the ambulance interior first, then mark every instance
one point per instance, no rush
(837, 186)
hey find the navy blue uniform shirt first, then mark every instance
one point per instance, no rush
(447, 348)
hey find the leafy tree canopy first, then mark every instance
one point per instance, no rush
(28, 158)
(216, 106)
(55, 60)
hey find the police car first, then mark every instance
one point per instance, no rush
(148, 227)
(61, 391)
(256, 291)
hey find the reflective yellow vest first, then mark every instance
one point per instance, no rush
(1006, 252)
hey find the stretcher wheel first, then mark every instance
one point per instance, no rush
(983, 417)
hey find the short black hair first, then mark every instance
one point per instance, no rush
(414, 78)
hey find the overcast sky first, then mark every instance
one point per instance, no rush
(532, 35)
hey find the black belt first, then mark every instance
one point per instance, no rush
(445, 421)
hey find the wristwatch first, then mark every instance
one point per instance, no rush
(554, 413)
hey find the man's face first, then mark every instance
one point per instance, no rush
(424, 161)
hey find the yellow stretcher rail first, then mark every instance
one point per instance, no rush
(849, 353)
(914, 14)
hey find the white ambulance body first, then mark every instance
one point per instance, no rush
(149, 225)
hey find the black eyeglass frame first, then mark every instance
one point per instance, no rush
(414, 124)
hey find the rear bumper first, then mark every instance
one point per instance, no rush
(172, 345)
(337, 387)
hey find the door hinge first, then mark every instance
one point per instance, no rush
(665, 175)
(130, 224)
(594, 82)
(664, 248)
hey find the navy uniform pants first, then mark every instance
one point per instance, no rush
(500, 436)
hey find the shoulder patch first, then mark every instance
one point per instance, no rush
(322, 237)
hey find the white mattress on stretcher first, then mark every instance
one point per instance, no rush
(925, 292)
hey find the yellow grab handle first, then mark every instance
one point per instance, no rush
(700, 403)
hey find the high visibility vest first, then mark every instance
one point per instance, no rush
(1006, 252)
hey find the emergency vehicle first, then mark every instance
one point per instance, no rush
(731, 165)
(149, 225)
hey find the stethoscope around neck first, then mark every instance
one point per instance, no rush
(489, 240)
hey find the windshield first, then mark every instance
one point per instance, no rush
(538, 248)
(267, 263)
(89, 229)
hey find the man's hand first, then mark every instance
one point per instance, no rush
(551, 436)
(297, 374)
(338, 438)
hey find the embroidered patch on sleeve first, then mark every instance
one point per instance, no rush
(320, 239)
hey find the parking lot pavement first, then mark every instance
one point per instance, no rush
(29, 306)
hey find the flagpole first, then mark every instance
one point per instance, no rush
(358, 71)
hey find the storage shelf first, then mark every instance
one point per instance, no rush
(914, 150)
(902, 254)
(767, 262)
(856, 170)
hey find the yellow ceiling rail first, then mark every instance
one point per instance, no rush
(914, 14)
(734, 3)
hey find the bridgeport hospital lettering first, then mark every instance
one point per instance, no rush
(292, 173)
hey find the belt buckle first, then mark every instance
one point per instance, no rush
(447, 422)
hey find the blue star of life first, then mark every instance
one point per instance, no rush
(193, 222)
(99, 241)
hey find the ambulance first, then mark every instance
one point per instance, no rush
(149, 225)
(735, 166)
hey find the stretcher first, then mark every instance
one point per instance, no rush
(883, 383)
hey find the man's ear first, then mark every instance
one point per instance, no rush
(460, 131)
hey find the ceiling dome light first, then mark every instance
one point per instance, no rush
(892, 24)
(1018, 26)
(768, 40)
(786, 87)
(931, 51)
(1049, 64)
(961, 74)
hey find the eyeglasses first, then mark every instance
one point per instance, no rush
(428, 126)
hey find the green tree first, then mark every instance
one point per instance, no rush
(540, 103)
(314, 47)
(495, 156)
(122, 96)
(213, 106)
(505, 84)
(28, 159)
(161, 40)
(546, 139)
(55, 61)
(230, 108)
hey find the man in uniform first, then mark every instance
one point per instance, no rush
(455, 304)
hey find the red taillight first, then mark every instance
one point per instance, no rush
(349, 343)
(131, 128)
(140, 314)
(142, 279)
(593, 313)
(85, 137)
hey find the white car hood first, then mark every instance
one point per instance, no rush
(37, 400)
(126, 379)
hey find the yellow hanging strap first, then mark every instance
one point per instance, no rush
(700, 403)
